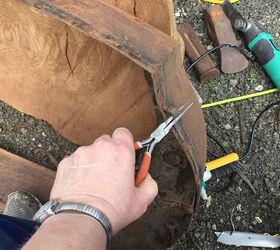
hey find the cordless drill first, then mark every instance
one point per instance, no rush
(258, 41)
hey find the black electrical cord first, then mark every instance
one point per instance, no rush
(244, 51)
(253, 130)
(230, 182)
(217, 142)
(249, 147)
(251, 57)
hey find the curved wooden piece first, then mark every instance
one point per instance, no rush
(17, 174)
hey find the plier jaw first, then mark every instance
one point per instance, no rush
(159, 133)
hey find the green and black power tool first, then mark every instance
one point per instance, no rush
(258, 41)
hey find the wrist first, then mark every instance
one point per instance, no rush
(77, 231)
(54, 207)
(69, 221)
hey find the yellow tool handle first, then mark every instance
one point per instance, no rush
(222, 161)
(219, 1)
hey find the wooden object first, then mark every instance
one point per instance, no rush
(220, 31)
(88, 67)
(18, 174)
(81, 86)
(194, 48)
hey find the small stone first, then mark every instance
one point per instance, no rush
(23, 130)
(256, 184)
(238, 218)
(259, 88)
(238, 189)
(1, 130)
(33, 139)
(267, 183)
(197, 234)
(233, 82)
(203, 224)
(228, 127)
(221, 220)
(30, 121)
(231, 189)
(208, 225)
(209, 201)
(254, 222)
(264, 207)
(44, 134)
(214, 227)
(172, 158)
(39, 145)
(272, 174)
(202, 236)
(258, 220)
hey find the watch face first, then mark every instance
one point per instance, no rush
(45, 211)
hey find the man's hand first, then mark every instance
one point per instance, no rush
(102, 175)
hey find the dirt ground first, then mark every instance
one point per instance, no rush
(236, 207)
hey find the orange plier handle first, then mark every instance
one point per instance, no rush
(144, 166)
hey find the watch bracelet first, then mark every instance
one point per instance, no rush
(79, 208)
(90, 211)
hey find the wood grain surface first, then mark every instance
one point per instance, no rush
(18, 174)
(79, 85)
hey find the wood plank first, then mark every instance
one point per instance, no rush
(17, 173)
(140, 42)
(2, 207)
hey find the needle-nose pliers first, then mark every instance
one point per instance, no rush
(148, 144)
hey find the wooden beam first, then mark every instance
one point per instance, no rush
(17, 173)
(137, 40)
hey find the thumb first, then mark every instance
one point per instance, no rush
(146, 193)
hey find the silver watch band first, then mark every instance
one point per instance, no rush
(54, 207)
(90, 211)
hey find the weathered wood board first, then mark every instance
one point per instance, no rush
(18, 174)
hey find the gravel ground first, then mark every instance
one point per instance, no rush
(238, 206)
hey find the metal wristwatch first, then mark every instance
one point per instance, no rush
(54, 207)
